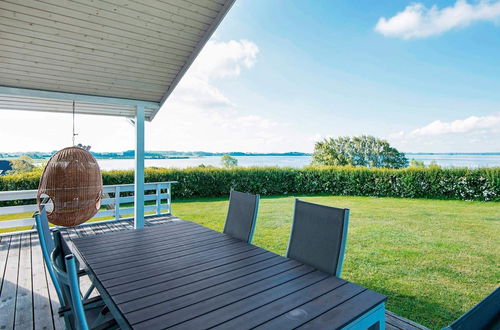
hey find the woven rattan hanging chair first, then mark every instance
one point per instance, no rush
(70, 187)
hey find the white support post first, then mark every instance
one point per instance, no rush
(139, 168)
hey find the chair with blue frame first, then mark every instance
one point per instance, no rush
(241, 215)
(484, 316)
(47, 244)
(82, 314)
(318, 236)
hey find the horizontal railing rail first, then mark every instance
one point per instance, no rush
(157, 198)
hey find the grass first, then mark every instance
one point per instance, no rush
(434, 259)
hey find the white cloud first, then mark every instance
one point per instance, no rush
(217, 60)
(472, 134)
(467, 125)
(203, 118)
(194, 90)
(418, 21)
(224, 59)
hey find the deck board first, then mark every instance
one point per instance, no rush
(4, 251)
(9, 285)
(41, 301)
(24, 294)
(28, 298)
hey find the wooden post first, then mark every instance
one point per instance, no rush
(139, 168)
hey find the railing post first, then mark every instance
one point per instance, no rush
(117, 203)
(158, 199)
(169, 198)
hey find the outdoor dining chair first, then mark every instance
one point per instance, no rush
(483, 316)
(241, 215)
(47, 245)
(77, 312)
(318, 236)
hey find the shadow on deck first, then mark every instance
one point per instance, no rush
(27, 297)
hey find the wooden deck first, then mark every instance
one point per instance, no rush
(27, 297)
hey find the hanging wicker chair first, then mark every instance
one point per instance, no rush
(70, 187)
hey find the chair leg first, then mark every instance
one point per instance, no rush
(89, 292)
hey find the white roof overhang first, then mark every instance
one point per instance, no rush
(107, 56)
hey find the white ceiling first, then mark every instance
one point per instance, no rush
(126, 49)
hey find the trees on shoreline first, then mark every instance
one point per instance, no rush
(364, 150)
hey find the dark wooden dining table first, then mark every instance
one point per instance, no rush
(182, 275)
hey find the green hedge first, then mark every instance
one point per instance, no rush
(465, 184)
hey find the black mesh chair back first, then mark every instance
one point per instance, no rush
(483, 316)
(318, 237)
(241, 215)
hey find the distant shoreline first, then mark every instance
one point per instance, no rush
(455, 153)
(129, 154)
(126, 162)
(201, 154)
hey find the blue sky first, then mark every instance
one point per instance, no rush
(279, 75)
(322, 66)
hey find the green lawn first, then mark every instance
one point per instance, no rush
(434, 259)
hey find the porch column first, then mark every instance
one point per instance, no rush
(139, 168)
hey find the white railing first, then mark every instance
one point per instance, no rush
(156, 197)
